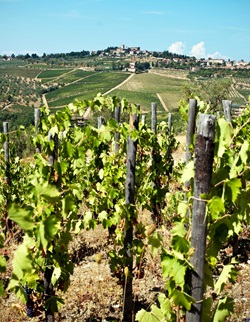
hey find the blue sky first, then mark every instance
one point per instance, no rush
(218, 29)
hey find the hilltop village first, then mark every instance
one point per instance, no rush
(135, 59)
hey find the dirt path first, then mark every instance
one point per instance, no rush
(88, 114)
(167, 75)
(45, 103)
(162, 102)
(119, 85)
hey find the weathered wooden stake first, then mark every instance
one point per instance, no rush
(203, 161)
(154, 117)
(169, 123)
(6, 152)
(48, 287)
(128, 230)
(192, 111)
(36, 121)
(227, 107)
(117, 135)
(54, 155)
(6, 143)
(100, 121)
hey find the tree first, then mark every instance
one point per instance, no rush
(211, 91)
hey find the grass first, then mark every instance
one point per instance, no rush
(73, 76)
(19, 71)
(85, 88)
(51, 73)
(142, 89)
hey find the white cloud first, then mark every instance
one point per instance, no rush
(177, 47)
(198, 50)
(216, 55)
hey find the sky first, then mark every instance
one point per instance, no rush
(215, 29)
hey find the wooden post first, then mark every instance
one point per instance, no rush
(6, 143)
(169, 123)
(6, 152)
(49, 292)
(227, 107)
(154, 117)
(128, 230)
(36, 121)
(203, 162)
(169, 148)
(54, 155)
(48, 287)
(192, 111)
(117, 135)
(143, 119)
(100, 121)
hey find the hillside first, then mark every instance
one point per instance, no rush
(56, 82)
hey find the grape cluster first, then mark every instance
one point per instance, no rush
(29, 304)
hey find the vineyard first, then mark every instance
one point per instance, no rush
(103, 220)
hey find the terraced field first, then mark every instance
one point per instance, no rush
(84, 85)
(145, 88)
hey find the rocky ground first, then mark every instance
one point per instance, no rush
(95, 295)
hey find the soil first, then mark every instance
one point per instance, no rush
(95, 294)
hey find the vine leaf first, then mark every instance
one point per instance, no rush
(22, 261)
(49, 192)
(156, 315)
(216, 207)
(56, 274)
(223, 309)
(171, 267)
(234, 185)
(182, 298)
(188, 172)
(2, 264)
(21, 216)
(228, 273)
(225, 136)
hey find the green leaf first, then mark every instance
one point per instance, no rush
(55, 275)
(223, 309)
(225, 136)
(206, 309)
(53, 304)
(235, 186)
(182, 299)
(42, 235)
(228, 273)
(156, 315)
(2, 291)
(22, 261)
(21, 216)
(105, 134)
(182, 209)
(244, 152)
(180, 244)
(101, 174)
(155, 240)
(166, 306)
(179, 229)
(188, 172)
(216, 207)
(172, 268)
(2, 264)
(49, 192)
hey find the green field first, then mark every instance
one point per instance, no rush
(51, 73)
(86, 88)
(142, 89)
(19, 71)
